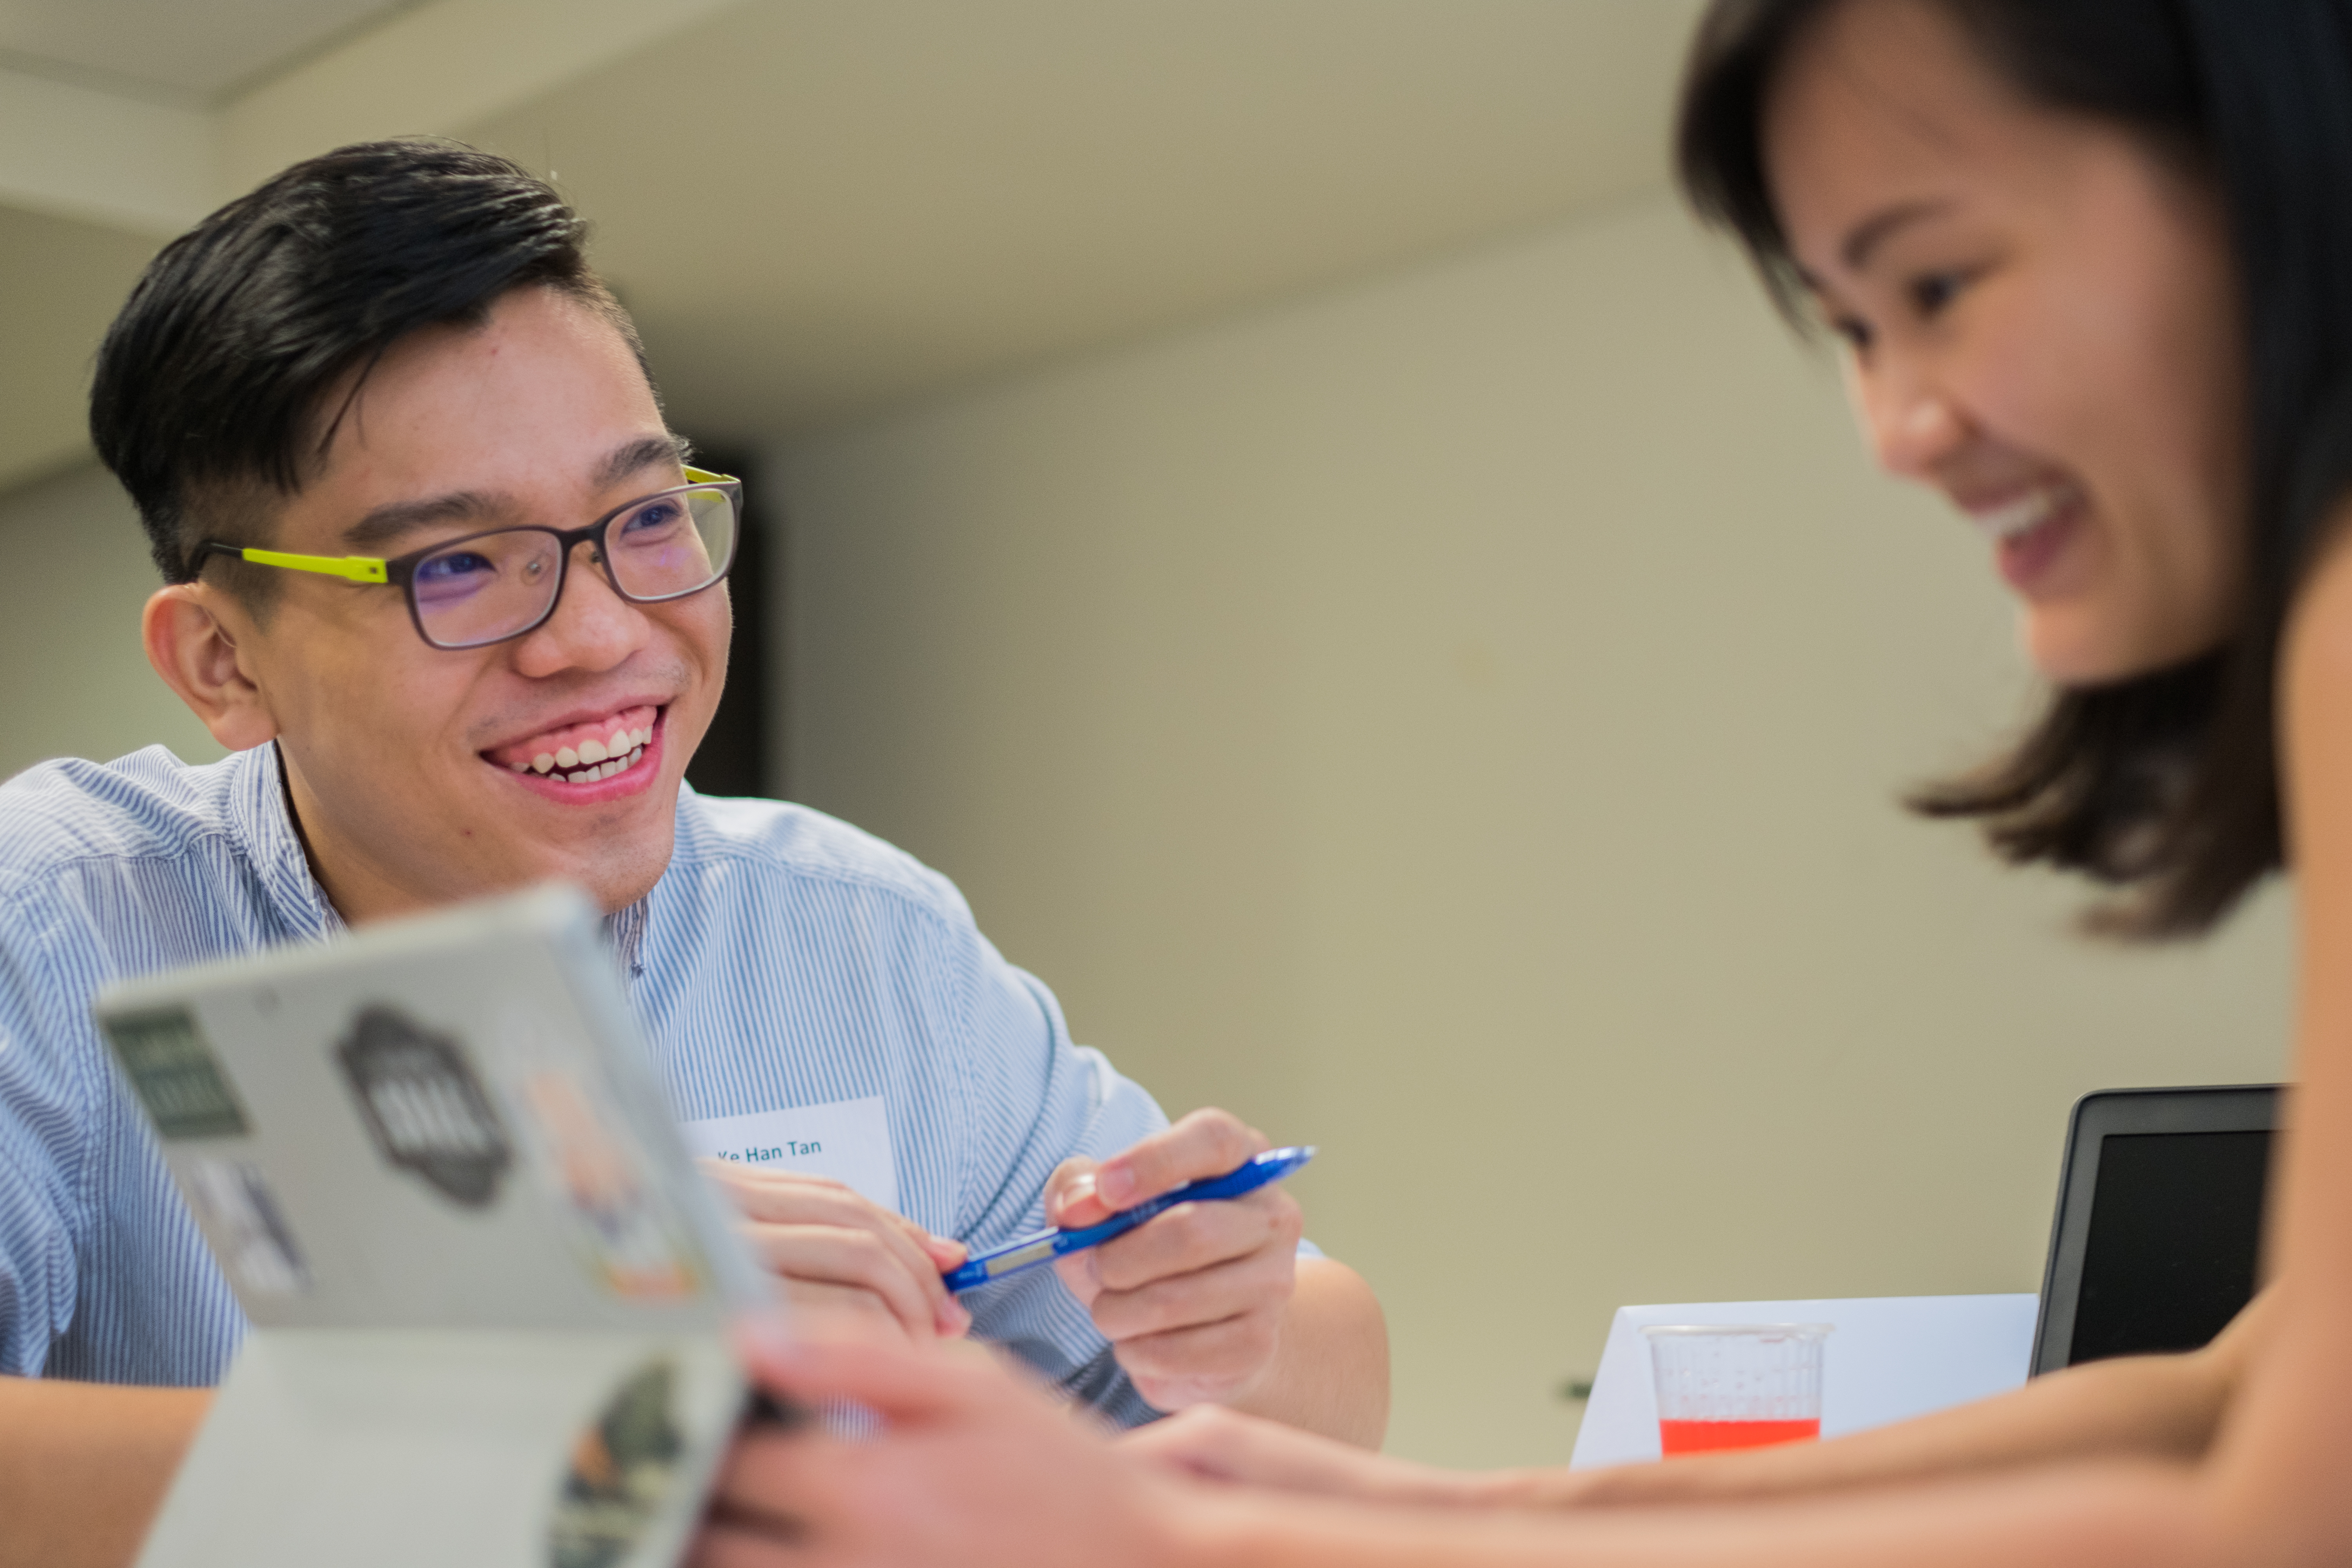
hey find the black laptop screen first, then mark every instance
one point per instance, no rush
(2176, 1219)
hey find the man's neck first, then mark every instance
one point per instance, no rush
(361, 889)
(352, 889)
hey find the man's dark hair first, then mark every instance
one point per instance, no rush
(2167, 784)
(211, 398)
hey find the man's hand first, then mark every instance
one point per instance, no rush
(1193, 1300)
(838, 1251)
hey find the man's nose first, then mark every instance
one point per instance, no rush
(593, 626)
(1911, 424)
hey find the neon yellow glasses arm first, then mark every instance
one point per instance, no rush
(357, 568)
(370, 568)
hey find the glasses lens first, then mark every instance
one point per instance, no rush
(485, 588)
(672, 544)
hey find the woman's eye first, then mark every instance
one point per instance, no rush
(1932, 293)
(1853, 330)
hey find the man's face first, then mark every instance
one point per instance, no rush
(409, 764)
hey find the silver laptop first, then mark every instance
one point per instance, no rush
(490, 1292)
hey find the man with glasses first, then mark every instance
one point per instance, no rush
(438, 577)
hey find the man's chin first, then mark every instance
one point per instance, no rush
(618, 881)
(614, 868)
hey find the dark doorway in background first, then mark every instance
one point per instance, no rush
(734, 757)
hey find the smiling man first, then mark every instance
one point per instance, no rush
(438, 576)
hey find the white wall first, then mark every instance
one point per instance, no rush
(1456, 721)
(73, 575)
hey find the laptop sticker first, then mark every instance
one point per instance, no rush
(621, 1469)
(174, 1074)
(624, 1233)
(246, 1225)
(425, 1107)
(848, 1141)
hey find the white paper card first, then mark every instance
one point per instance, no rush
(364, 1449)
(848, 1141)
(1891, 1358)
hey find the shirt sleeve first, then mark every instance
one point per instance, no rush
(44, 1126)
(1038, 1100)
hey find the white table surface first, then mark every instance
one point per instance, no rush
(1891, 1357)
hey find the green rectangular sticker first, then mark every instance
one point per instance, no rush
(168, 1064)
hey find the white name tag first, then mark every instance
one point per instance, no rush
(848, 1141)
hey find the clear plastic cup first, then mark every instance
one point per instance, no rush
(1737, 1386)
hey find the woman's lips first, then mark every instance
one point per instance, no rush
(2030, 527)
(2026, 556)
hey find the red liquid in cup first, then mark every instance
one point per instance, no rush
(1703, 1436)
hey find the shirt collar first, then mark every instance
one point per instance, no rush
(263, 823)
(626, 930)
(262, 820)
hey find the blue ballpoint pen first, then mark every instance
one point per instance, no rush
(1033, 1251)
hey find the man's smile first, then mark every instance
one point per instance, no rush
(619, 751)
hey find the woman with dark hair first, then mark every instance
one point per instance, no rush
(2091, 261)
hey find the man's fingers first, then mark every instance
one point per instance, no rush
(782, 1205)
(833, 1255)
(1205, 1143)
(1257, 1282)
(789, 1198)
(945, 1252)
(794, 1197)
(1193, 1236)
(1071, 1200)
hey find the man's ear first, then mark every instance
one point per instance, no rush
(195, 650)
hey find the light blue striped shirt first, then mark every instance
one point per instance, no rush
(785, 959)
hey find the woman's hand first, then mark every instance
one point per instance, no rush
(975, 1465)
(1212, 1442)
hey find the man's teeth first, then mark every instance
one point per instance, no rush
(606, 769)
(594, 759)
(2025, 513)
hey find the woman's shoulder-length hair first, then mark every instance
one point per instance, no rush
(2166, 787)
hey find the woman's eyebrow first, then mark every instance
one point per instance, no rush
(1880, 226)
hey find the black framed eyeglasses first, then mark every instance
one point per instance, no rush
(489, 587)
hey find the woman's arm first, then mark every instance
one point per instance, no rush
(974, 1468)
(2161, 1407)
(2146, 1407)
(84, 1467)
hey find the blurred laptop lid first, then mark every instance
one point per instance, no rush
(2157, 1239)
(490, 1292)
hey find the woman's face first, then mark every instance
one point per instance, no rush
(2042, 324)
